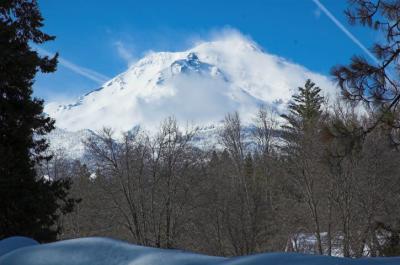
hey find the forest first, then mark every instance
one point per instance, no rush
(304, 176)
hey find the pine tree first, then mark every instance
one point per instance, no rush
(29, 205)
(375, 82)
(302, 149)
(304, 112)
(305, 107)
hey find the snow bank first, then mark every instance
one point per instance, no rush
(102, 251)
(12, 243)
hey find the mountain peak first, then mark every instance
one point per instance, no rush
(198, 85)
(230, 42)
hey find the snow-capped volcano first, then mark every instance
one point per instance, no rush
(199, 85)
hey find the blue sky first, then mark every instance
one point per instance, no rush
(106, 36)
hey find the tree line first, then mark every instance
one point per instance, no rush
(305, 175)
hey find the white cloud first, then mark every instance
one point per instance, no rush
(126, 53)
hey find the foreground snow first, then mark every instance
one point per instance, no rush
(102, 251)
(10, 244)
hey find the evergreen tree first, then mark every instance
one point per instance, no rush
(303, 149)
(304, 112)
(29, 205)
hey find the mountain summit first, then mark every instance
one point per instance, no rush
(198, 85)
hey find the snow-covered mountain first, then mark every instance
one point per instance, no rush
(199, 85)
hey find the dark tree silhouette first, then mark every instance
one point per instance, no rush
(29, 205)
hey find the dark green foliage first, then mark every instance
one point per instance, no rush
(305, 106)
(29, 205)
(308, 102)
(304, 113)
(344, 133)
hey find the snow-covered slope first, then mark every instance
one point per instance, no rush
(102, 251)
(12, 243)
(69, 143)
(199, 85)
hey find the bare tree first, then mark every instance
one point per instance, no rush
(246, 204)
(148, 180)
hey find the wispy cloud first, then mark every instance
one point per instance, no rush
(345, 30)
(124, 52)
(83, 71)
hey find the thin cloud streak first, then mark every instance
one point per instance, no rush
(345, 30)
(83, 71)
(125, 53)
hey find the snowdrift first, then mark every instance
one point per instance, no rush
(103, 251)
(13, 243)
